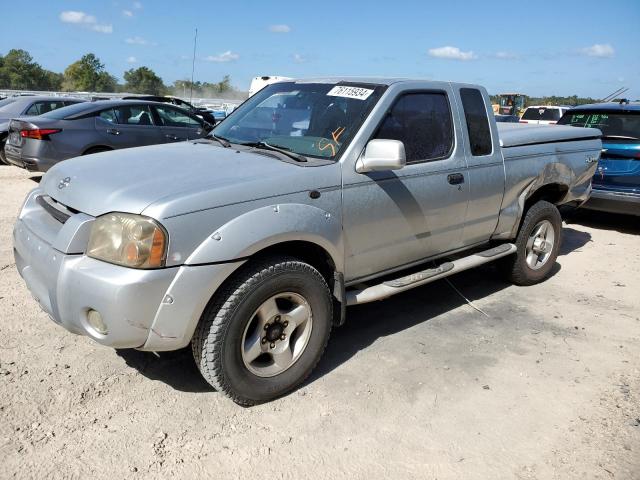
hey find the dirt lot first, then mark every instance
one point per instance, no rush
(546, 386)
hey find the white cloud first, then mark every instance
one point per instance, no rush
(600, 50)
(227, 56)
(85, 20)
(506, 55)
(102, 28)
(138, 41)
(132, 59)
(279, 28)
(127, 13)
(452, 53)
(297, 58)
(137, 5)
(77, 17)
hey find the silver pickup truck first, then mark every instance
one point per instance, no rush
(312, 196)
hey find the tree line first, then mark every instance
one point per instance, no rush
(19, 71)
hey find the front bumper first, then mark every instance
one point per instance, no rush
(146, 309)
(613, 202)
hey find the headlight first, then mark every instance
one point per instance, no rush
(128, 240)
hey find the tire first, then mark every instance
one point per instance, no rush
(518, 267)
(233, 318)
(97, 150)
(3, 158)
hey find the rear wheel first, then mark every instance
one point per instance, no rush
(538, 243)
(263, 333)
(3, 158)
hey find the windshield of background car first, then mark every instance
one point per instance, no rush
(541, 113)
(311, 119)
(625, 125)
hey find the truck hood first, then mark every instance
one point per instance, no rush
(175, 178)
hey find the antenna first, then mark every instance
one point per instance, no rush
(193, 64)
(619, 91)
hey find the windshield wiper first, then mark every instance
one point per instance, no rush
(619, 137)
(282, 150)
(221, 140)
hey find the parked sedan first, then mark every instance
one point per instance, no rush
(15, 107)
(38, 143)
(616, 183)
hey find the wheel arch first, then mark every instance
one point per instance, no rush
(96, 149)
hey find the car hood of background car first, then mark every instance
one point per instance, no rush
(175, 179)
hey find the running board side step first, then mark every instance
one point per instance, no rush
(391, 287)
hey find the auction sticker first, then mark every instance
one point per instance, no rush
(350, 92)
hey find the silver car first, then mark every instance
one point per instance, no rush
(15, 107)
(38, 143)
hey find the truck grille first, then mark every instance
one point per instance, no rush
(55, 209)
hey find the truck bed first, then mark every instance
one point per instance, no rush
(516, 135)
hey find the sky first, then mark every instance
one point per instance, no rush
(560, 47)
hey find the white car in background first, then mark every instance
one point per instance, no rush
(543, 114)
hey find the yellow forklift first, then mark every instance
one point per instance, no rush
(510, 104)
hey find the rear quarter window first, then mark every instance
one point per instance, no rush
(475, 114)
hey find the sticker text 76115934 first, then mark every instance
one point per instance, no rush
(350, 92)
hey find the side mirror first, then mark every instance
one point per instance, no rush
(380, 155)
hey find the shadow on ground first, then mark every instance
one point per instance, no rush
(603, 220)
(365, 324)
(176, 369)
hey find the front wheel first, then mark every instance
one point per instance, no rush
(265, 331)
(538, 243)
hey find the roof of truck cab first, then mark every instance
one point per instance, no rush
(373, 80)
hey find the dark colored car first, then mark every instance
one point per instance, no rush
(38, 143)
(507, 118)
(22, 106)
(616, 183)
(206, 114)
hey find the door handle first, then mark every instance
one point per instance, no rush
(171, 137)
(113, 131)
(455, 178)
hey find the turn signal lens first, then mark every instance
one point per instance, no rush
(129, 240)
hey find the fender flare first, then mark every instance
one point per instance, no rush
(264, 227)
(553, 174)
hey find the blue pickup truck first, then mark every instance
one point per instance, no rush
(616, 183)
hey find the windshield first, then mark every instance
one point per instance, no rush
(541, 113)
(625, 125)
(311, 119)
(66, 112)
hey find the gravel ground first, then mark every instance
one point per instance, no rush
(546, 385)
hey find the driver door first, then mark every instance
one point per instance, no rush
(395, 218)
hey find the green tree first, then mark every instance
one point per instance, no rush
(88, 74)
(18, 71)
(143, 80)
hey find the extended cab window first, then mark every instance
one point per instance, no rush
(422, 121)
(475, 114)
